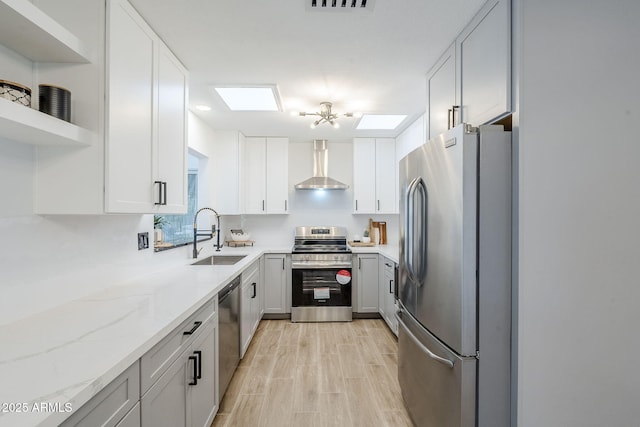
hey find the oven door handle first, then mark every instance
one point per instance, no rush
(315, 266)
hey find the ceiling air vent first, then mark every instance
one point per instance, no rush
(339, 5)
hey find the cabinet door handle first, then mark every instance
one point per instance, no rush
(195, 370)
(359, 264)
(196, 325)
(451, 116)
(198, 354)
(159, 183)
(356, 204)
(378, 204)
(164, 193)
(255, 292)
(390, 286)
(285, 205)
(283, 263)
(263, 205)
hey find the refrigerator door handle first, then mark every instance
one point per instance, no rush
(410, 241)
(421, 346)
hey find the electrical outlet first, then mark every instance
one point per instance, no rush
(143, 240)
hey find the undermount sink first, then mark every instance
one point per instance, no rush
(220, 260)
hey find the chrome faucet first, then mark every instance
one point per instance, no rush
(197, 233)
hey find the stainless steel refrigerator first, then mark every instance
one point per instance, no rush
(454, 284)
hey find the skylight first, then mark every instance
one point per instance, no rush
(255, 98)
(380, 121)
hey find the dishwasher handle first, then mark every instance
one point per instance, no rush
(226, 291)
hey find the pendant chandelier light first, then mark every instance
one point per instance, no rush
(326, 115)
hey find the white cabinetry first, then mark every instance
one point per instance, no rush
(441, 93)
(367, 283)
(374, 176)
(484, 49)
(251, 294)
(277, 284)
(146, 118)
(386, 293)
(227, 174)
(132, 99)
(471, 82)
(266, 177)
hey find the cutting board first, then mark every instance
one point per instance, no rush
(362, 244)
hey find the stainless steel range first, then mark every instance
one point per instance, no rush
(321, 275)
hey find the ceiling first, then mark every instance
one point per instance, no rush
(369, 61)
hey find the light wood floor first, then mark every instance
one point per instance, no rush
(316, 374)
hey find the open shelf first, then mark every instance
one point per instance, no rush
(29, 31)
(26, 125)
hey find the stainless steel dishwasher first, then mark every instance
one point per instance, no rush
(228, 333)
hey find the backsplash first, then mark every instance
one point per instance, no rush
(49, 260)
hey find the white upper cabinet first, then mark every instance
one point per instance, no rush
(471, 82)
(254, 167)
(265, 167)
(146, 118)
(484, 49)
(386, 176)
(130, 108)
(170, 154)
(441, 94)
(374, 176)
(132, 100)
(227, 174)
(277, 176)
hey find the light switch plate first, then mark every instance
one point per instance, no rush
(143, 240)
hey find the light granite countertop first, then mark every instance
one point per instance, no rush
(59, 359)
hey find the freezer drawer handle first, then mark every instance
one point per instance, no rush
(435, 357)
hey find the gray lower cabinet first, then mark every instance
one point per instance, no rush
(166, 401)
(366, 266)
(204, 394)
(132, 419)
(251, 294)
(277, 284)
(386, 293)
(185, 394)
(111, 404)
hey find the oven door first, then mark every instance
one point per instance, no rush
(321, 287)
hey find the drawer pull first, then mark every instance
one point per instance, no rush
(196, 325)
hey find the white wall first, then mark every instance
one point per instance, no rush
(579, 213)
(412, 137)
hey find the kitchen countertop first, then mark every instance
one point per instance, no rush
(390, 251)
(62, 357)
(67, 354)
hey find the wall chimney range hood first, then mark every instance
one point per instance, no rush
(320, 180)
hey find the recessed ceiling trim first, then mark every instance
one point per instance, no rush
(339, 5)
